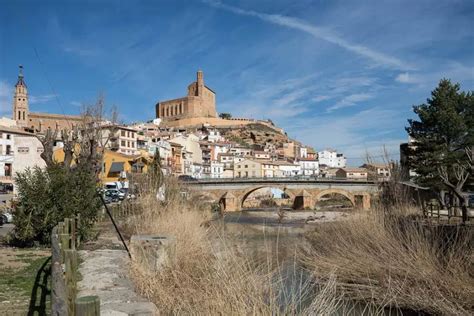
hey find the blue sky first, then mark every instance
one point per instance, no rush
(340, 74)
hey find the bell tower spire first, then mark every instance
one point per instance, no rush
(20, 101)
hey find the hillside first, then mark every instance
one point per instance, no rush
(255, 135)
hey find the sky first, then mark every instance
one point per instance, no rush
(333, 74)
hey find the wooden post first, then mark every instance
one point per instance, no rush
(78, 226)
(70, 260)
(58, 286)
(73, 233)
(67, 225)
(88, 306)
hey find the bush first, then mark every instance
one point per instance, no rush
(47, 196)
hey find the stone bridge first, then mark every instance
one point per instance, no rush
(231, 193)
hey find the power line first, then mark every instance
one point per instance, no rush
(51, 87)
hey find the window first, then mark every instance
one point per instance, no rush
(39, 149)
(122, 143)
(8, 136)
(238, 166)
(128, 133)
(128, 143)
(122, 133)
(23, 150)
(246, 166)
(133, 135)
(1, 149)
(9, 150)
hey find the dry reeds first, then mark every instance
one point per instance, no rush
(210, 275)
(391, 260)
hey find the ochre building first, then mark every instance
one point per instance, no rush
(200, 102)
(37, 122)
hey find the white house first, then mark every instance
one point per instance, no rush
(217, 169)
(288, 169)
(18, 150)
(331, 158)
(308, 167)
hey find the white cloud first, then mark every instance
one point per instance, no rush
(367, 130)
(350, 100)
(76, 103)
(380, 59)
(406, 78)
(39, 99)
(321, 98)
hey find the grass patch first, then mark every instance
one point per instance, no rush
(19, 286)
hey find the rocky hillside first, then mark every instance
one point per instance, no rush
(255, 135)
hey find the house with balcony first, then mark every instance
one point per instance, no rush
(121, 139)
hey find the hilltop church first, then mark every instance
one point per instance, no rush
(33, 121)
(200, 102)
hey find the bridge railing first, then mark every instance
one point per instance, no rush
(279, 179)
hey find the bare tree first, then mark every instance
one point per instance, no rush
(456, 179)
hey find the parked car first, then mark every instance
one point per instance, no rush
(111, 196)
(185, 178)
(2, 220)
(7, 217)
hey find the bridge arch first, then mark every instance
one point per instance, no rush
(246, 194)
(344, 193)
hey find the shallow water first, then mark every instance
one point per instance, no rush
(260, 234)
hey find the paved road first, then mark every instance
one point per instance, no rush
(5, 229)
(5, 197)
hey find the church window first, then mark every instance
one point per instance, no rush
(24, 99)
(19, 99)
(23, 115)
(19, 115)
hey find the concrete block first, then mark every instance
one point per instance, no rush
(153, 252)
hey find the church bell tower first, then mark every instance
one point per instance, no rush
(20, 101)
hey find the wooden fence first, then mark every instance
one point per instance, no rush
(434, 211)
(64, 266)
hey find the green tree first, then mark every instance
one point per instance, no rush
(47, 196)
(443, 140)
(225, 116)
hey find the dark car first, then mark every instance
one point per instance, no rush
(111, 196)
(186, 178)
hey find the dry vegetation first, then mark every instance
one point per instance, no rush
(382, 259)
(392, 260)
(208, 276)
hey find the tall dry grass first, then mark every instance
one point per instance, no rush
(210, 275)
(391, 260)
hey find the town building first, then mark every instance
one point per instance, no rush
(270, 169)
(120, 138)
(38, 122)
(248, 169)
(331, 158)
(352, 173)
(262, 155)
(19, 150)
(288, 169)
(309, 167)
(199, 102)
(377, 171)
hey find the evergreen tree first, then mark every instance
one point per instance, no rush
(443, 140)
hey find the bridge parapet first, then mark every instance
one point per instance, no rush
(231, 193)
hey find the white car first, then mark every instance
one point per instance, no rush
(8, 217)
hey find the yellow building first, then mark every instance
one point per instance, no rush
(116, 166)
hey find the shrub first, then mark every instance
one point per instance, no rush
(47, 196)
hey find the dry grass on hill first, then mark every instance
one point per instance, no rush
(390, 260)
